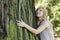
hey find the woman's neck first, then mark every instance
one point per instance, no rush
(39, 21)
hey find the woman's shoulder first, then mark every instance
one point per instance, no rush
(46, 21)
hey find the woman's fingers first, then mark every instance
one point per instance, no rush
(17, 21)
(20, 23)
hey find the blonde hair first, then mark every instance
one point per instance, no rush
(45, 15)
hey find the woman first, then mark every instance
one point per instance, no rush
(45, 27)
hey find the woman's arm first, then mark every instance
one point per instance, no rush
(31, 29)
(39, 29)
(43, 26)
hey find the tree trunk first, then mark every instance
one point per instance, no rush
(27, 13)
(0, 17)
(17, 10)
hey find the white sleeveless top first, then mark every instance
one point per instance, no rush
(47, 34)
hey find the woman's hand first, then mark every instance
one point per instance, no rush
(21, 23)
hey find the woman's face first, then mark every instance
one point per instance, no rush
(39, 13)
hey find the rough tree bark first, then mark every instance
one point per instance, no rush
(17, 10)
(0, 17)
(27, 13)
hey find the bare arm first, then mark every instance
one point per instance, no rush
(39, 29)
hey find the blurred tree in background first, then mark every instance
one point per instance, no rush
(54, 7)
